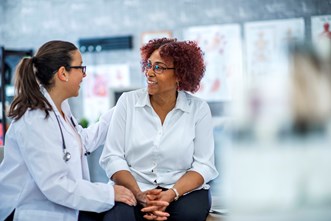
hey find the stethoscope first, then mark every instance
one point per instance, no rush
(66, 154)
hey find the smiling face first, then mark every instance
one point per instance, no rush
(76, 74)
(160, 83)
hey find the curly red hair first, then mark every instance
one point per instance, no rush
(187, 57)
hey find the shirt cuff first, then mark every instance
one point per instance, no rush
(114, 165)
(208, 173)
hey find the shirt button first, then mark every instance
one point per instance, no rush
(155, 181)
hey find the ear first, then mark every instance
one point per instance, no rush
(62, 74)
(177, 84)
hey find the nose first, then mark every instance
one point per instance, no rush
(150, 72)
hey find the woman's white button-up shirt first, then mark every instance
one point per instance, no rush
(156, 154)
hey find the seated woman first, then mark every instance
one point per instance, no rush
(162, 137)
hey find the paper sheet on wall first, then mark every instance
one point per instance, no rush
(267, 43)
(96, 88)
(321, 34)
(268, 68)
(223, 56)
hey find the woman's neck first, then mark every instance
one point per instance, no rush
(162, 105)
(57, 99)
(164, 100)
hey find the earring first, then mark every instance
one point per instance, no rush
(177, 82)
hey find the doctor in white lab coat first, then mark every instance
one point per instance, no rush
(44, 174)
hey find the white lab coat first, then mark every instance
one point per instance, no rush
(34, 178)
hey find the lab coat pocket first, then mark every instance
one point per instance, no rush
(39, 215)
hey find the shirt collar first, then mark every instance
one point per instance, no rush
(143, 99)
(182, 102)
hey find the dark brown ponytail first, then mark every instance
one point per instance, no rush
(39, 69)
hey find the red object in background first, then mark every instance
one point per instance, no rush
(216, 86)
(1, 135)
(100, 87)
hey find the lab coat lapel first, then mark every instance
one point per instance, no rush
(65, 109)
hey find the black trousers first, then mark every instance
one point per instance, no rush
(10, 217)
(120, 212)
(194, 206)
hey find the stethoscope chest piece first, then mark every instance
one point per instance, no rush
(66, 156)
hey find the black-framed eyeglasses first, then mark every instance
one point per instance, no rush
(158, 68)
(79, 67)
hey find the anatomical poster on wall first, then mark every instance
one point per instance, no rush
(267, 45)
(96, 88)
(223, 56)
(321, 34)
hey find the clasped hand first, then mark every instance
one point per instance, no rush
(155, 202)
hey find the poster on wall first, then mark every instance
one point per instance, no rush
(321, 34)
(223, 56)
(267, 43)
(268, 69)
(96, 88)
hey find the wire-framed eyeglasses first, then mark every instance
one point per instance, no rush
(158, 68)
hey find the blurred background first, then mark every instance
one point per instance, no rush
(267, 83)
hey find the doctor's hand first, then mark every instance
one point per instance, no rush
(124, 195)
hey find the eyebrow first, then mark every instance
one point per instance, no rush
(157, 62)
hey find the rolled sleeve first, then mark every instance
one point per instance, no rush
(113, 155)
(203, 156)
(113, 164)
(208, 173)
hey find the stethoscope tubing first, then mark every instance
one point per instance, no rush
(66, 154)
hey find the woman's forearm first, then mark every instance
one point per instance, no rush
(125, 178)
(188, 182)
